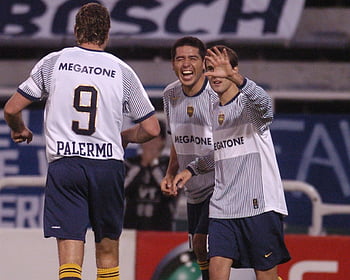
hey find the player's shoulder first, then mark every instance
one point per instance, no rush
(172, 88)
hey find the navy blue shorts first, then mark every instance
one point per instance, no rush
(84, 192)
(198, 217)
(254, 242)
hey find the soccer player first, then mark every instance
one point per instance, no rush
(88, 91)
(248, 204)
(187, 106)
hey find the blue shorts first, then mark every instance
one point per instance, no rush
(254, 242)
(198, 217)
(84, 192)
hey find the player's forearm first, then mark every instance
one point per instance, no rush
(14, 121)
(137, 134)
(173, 165)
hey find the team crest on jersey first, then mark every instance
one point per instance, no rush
(221, 118)
(190, 110)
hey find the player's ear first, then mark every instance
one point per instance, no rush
(235, 68)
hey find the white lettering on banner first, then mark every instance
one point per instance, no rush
(7, 168)
(274, 20)
(4, 130)
(298, 269)
(345, 130)
(320, 136)
(17, 211)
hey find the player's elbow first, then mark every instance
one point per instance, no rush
(155, 130)
(151, 126)
(9, 111)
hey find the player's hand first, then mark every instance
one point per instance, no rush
(24, 136)
(181, 179)
(167, 187)
(222, 67)
(221, 63)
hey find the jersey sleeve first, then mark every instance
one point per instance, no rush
(136, 103)
(202, 165)
(37, 85)
(258, 104)
(166, 108)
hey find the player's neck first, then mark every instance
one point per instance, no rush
(92, 46)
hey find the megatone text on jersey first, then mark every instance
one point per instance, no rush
(193, 139)
(86, 69)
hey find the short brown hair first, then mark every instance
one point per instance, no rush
(92, 24)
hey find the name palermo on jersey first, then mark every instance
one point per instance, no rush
(76, 67)
(98, 150)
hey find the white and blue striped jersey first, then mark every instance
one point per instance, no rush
(248, 180)
(189, 120)
(88, 94)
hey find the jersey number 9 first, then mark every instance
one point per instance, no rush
(91, 108)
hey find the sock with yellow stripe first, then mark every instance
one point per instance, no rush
(204, 267)
(70, 271)
(108, 273)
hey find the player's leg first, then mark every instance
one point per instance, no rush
(107, 259)
(200, 250)
(220, 268)
(267, 248)
(70, 255)
(198, 223)
(270, 274)
(66, 214)
(106, 190)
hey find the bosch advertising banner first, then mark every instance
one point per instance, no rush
(310, 148)
(153, 21)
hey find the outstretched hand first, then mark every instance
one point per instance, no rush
(218, 65)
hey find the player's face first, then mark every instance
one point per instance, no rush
(188, 67)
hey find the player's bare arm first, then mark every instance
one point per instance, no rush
(142, 132)
(167, 186)
(13, 116)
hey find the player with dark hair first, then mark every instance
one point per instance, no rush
(248, 205)
(187, 105)
(88, 93)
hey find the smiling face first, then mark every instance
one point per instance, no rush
(188, 67)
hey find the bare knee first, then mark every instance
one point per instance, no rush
(107, 253)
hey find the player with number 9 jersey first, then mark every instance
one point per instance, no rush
(88, 92)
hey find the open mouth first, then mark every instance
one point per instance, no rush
(187, 74)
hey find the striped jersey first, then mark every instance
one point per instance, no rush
(248, 181)
(88, 94)
(189, 122)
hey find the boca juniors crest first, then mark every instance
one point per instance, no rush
(221, 118)
(190, 110)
